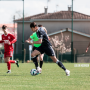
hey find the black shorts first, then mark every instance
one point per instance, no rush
(47, 50)
(34, 48)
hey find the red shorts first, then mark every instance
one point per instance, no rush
(8, 54)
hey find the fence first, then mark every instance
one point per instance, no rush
(79, 54)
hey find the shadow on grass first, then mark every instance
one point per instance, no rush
(11, 75)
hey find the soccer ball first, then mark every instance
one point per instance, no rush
(33, 72)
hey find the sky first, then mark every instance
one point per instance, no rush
(9, 8)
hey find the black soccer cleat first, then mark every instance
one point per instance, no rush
(8, 71)
(17, 63)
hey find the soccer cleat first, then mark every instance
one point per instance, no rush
(17, 63)
(8, 71)
(67, 72)
(39, 70)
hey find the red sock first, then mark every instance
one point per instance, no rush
(9, 65)
(12, 61)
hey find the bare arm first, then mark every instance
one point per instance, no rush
(37, 42)
(87, 47)
(28, 40)
(34, 42)
(45, 29)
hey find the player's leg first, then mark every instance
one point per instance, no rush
(13, 61)
(50, 52)
(40, 63)
(35, 59)
(41, 60)
(33, 55)
(6, 60)
(58, 62)
(8, 64)
(60, 65)
(10, 53)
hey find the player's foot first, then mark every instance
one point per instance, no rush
(17, 63)
(39, 70)
(67, 72)
(8, 71)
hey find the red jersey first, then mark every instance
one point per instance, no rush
(6, 39)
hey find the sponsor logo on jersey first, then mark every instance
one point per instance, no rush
(6, 41)
(8, 37)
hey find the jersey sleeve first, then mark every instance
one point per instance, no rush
(40, 35)
(31, 36)
(13, 39)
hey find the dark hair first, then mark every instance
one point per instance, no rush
(39, 25)
(33, 24)
(4, 27)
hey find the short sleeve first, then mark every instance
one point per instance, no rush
(31, 36)
(40, 35)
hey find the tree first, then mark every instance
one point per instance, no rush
(59, 45)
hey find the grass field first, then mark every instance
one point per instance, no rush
(52, 77)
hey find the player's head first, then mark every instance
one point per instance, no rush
(4, 28)
(33, 26)
(40, 25)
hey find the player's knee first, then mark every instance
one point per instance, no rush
(32, 55)
(41, 59)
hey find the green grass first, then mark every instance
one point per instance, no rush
(52, 77)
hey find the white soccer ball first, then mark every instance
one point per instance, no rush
(33, 72)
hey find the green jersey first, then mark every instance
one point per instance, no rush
(35, 38)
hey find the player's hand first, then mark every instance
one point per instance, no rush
(9, 43)
(27, 41)
(87, 49)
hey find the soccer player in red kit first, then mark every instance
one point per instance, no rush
(8, 39)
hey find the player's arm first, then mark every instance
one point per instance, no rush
(45, 29)
(29, 40)
(1, 41)
(34, 42)
(87, 47)
(38, 42)
(46, 32)
(13, 39)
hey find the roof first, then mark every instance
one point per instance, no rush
(69, 30)
(30, 17)
(63, 15)
(57, 15)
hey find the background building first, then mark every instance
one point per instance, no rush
(55, 22)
